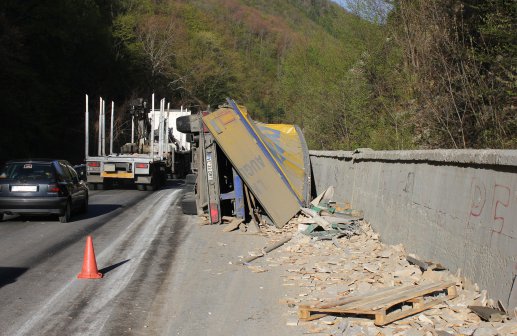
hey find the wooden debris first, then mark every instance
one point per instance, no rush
(325, 196)
(266, 250)
(318, 270)
(233, 225)
(319, 220)
(293, 321)
(422, 264)
(489, 314)
(379, 303)
(256, 269)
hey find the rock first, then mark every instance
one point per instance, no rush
(385, 253)
(414, 332)
(424, 319)
(371, 267)
(256, 269)
(328, 320)
(292, 321)
(403, 273)
(508, 328)
(468, 331)
(485, 331)
(356, 331)
(302, 227)
(443, 333)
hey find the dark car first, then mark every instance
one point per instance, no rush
(41, 187)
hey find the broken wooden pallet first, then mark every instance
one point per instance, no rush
(385, 304)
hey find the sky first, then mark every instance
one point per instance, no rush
(372, 10)
(343, 3)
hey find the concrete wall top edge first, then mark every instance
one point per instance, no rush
(464, 156)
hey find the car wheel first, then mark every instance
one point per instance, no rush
(65, 218)
(99, 186)
(2, 216)
(84, 206)
(150, 187)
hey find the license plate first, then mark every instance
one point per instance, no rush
(24, 188)
(209, 168)
(109, 167)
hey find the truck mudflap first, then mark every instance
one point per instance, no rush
(271, 160)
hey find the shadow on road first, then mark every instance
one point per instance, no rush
(96, 210)
(112, 267)
(10, 274)
(173, 184)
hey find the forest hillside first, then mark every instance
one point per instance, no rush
(426, 74)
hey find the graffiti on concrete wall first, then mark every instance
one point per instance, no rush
(493, 206)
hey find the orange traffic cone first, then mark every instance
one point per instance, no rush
(89, 264)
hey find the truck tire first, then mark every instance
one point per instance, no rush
(190, 179)
(188, 204)
(183, 124)
(140, 187)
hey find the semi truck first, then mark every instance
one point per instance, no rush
(246, 169)
(156, 150)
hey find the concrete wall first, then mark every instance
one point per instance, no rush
(457, 207)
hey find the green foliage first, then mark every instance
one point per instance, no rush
(432, 74)
(52, 52)
(460, 59)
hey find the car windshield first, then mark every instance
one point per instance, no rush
(26, 171)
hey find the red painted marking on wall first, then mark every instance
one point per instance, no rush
(501, 198)
(477, 198)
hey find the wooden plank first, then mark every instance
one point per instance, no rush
(384, 319)
(355, 298)
(233, 225)
(377, 296)
(417, 292)
(403, 295)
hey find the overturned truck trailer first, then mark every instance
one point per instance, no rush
(250, 170)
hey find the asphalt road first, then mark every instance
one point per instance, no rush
(164, 274)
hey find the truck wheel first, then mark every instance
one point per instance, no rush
(188, 204)
(191, 179)
(140, 187)
(65, 218)
(183, 124)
